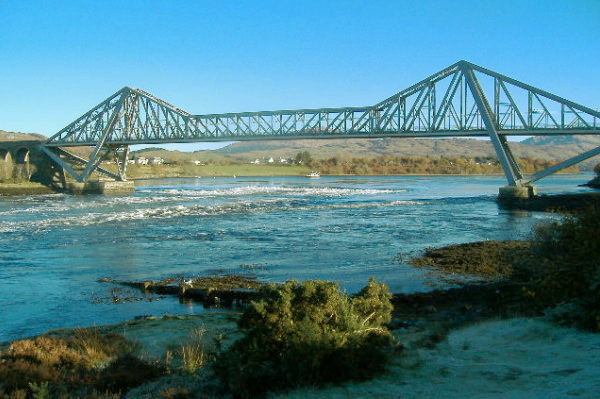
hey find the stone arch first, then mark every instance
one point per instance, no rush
(4, 155)
(22, 155)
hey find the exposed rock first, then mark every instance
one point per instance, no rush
(481, 259)
(553, 203)
(211, 290)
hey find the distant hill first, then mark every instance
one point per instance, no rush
(543, 148)
(18, 136)
(579, 141)
(568, 146)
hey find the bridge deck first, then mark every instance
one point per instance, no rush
(463, 100)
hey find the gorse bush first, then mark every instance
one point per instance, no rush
(307, 334)
(565, 268)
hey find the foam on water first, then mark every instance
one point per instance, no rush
(271, 190)
(168, 212)
(344, 230)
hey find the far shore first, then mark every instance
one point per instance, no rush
(323, 175)
(232, 171)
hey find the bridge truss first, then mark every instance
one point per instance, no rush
(462, 100)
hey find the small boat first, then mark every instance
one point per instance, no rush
(313, 174)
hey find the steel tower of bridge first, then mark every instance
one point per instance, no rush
(462, 100)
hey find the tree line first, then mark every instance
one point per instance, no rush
(391, 165)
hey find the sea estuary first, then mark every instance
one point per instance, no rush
(54, 248)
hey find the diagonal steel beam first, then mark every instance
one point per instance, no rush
(59, 161)
(512, 175)
(447, 100)
(513, 104)
(511, 158)
(564, 164)
(54, 154)
(530, 88)
(94, 160)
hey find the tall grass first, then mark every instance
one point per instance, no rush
(193, 353)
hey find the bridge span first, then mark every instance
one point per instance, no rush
(462, 100)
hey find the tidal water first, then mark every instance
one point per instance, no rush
(54, 248)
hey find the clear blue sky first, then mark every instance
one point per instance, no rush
(58, 58)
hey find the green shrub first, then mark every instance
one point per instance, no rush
(565, 268)
(307, 334)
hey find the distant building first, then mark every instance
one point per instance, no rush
(141, 161)
(156, 161)
(197, 163)
(270, 160)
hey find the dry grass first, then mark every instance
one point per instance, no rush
(193, 354)
(81, 361)
(175, 393)
(226, 282)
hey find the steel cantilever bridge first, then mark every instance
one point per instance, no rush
(462, 100)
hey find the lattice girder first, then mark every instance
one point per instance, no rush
(461, 100)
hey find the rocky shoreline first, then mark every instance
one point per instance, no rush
(422, 324)
(513, 312)
(553, 202)
(482, 269)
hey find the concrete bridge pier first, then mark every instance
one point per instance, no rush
(508, 193)
(111, 187)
